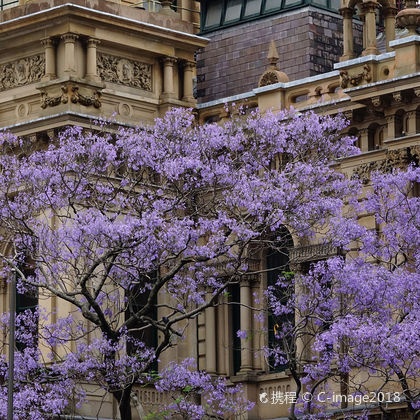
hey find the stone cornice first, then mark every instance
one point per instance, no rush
(178, 38)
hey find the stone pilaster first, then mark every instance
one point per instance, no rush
(369, 10)
(91, 62)
(246, 325)
(389, 14)
(348, 50)
(210, 337)
(69, 50)
(50, 69)
(188, 81)
(168, 76)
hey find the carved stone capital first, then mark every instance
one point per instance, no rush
(70, 37)
(93, 42)
(48, 42)
(389, 11)
(188, 65)
(390, 119)
(169, 61)
(369, 6)
(347, 12)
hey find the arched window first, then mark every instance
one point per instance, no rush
(27, 299)
(277, 264)
(137, 297)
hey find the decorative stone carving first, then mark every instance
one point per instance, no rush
(398, 158)
(417, 92)
(312, 253)
(363, 171)
(125, 72)
(77, 97)
(47, 100)
(70, 92)
(348, 114)
(356, 79)
(125, 110)
(22, 72)
(376, 101)
(272, 76)
(397, 96)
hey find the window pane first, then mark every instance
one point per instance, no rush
(272, 4)
(253, 7)
(213, 13)
(233, 10)
(320, 2)
(335, 4)
(289, 3)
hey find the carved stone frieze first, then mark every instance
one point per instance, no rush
(77, 97)
(22, 72)
(312, 253)
(355, 80)
(125, 72)
(415, 153)
(398, 158)
(363, 171)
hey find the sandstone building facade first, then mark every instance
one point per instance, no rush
(68, 63)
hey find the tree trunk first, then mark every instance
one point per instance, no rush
(124, 403)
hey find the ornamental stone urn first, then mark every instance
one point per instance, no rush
(409, 17)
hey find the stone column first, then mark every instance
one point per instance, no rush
(348, 51)
(389, 16)
(91, 62)
(186, 10)
(390, 121)
(211, 340)
(188, 81)
(369, 9)
(246, 325)
(69, 57)
(49, 47)
(412, 122)
(364, 139)
(168, 76)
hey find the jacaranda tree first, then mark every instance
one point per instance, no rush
(358, 315)
(142, 229)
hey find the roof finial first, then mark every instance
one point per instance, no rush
(273, 55)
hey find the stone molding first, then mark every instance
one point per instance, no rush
(125, 72)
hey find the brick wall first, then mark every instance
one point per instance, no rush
(309, 42)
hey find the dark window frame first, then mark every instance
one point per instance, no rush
(263, 12)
